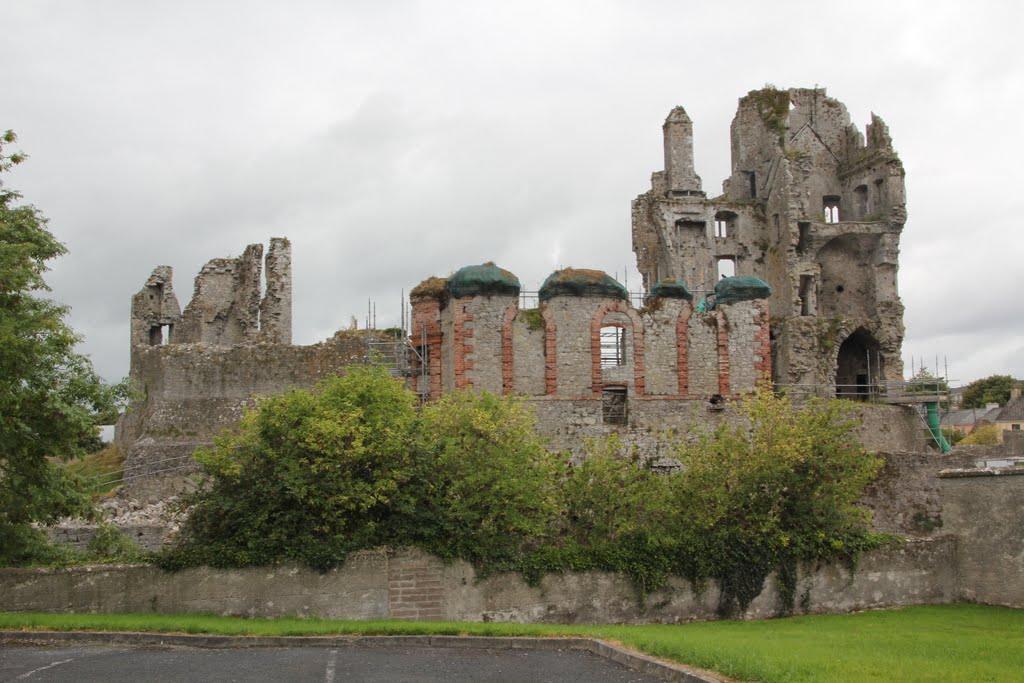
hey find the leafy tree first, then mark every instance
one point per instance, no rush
(769, 494)
(49, 395)
(993, 389)
(309, 476)
(986, 435)
(613, 494)
(491, 484)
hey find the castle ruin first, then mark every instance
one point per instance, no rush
(789, 274)
(812, 208)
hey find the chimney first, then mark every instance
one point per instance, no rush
(1015, 392)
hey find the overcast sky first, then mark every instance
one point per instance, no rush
(391, 141)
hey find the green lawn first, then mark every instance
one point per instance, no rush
(932, 643)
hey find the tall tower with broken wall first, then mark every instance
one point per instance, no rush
(813, 207)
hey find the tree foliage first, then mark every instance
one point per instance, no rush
(313, 475)
(985, 435)
(492, 486)
(993, 389)
(49, 395)
(309, 476)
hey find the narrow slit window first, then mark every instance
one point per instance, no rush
(804, 241)
(613, 346)
(806, 288)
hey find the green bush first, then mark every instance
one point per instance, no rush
(986, 435)
(492, 487)
(313, 475)
(309, 476)
(769, 494)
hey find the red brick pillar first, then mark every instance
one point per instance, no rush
(463, 342)
(683, 350)
(764, 341)
(507, 374)
(426, 316)
(723, 354)
(550, 351)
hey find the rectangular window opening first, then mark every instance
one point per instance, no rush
(614, 406)
(726, 267)
(613, 346)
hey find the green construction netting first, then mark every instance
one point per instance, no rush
(484, 279)
(732, 290)
(671, 289)
(581, 282)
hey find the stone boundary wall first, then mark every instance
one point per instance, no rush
(410, 584)
(984, 508)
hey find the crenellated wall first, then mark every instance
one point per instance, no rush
(671, 360)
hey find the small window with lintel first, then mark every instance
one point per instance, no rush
(159, 335)
(726, 266)
(725, 223)
(613, 346)
(614, 406)
(831, 205)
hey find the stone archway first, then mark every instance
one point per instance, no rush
(856, 370)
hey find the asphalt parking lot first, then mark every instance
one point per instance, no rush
(82, 663)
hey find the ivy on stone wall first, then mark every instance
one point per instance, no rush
(311, 476)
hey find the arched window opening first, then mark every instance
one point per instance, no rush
(831, 205)
(860, 198)
(613, 346)
(858, 366)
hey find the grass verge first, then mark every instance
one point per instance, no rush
(100, 471)
(926, 643)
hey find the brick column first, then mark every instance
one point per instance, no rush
(683, 350)
(764, 341)
(507, 375)
(426, 314)
(463, 342)
(550, 351)
(723, 353)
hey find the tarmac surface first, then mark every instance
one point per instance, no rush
(126, 662)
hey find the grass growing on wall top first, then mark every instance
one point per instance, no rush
(926, 643)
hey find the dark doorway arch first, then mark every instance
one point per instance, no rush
(857, 365)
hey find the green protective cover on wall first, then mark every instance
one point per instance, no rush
(732, 290)
(582, 282)
(483, 279)
(671, 289)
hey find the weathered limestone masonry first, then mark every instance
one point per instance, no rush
(410, 585)
(812, 209)
(195, 372)
(589, 362)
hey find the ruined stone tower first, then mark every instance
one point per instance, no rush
(812, 208)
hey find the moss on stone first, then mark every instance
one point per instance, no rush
(582, 282)
(431, 288)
